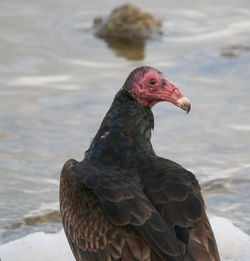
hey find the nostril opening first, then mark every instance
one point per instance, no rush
(176, 91)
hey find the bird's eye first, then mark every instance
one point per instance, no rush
(152, 81)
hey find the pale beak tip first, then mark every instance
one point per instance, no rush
(184, 104)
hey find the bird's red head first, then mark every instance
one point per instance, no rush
(149, 86)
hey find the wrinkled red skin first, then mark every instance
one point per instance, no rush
(163, 90)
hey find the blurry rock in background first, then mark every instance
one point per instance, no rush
(234, 50)
(126, 30)
(127, 24)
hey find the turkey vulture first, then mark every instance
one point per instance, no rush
(122, 201)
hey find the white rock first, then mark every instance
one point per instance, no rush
(233, 244)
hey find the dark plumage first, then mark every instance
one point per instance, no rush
(122, 201)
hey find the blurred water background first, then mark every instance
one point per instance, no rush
(57, 80)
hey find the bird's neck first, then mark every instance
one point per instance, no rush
(125, 132)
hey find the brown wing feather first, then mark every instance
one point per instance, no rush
(202, 243)
(90, 233)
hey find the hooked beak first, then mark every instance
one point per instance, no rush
(175, 96)
(184, 104)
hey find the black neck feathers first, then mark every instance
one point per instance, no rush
(125, 131)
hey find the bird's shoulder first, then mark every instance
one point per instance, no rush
(174, 191)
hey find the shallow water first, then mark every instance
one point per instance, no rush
(58, 80)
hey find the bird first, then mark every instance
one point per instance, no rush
(122, 201)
